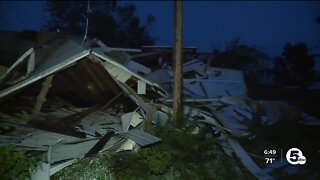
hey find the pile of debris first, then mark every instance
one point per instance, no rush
(73, 100)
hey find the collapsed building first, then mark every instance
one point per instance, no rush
(72, 100)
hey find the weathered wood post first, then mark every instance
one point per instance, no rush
(177, 58)
(42, 95)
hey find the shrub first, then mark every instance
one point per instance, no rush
(16, 164)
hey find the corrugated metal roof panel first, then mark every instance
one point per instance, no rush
(64, 56)
(141, 137)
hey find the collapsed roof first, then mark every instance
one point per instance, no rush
(63, 97)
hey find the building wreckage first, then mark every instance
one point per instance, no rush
(73, 100)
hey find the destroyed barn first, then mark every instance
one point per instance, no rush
(70, 100)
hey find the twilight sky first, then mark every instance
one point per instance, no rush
(206, 25)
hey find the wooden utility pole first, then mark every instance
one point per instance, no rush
(177, 57)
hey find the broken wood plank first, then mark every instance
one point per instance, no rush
(109, 49)
(100, 144)
(133, 95)
(151, 115)
(15, 64)
(141, 88)
(31, 63)
(42, 96)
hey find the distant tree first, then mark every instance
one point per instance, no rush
(113, 24)
(238, 56)
(318, 19)
(241, 57)
(295, 66)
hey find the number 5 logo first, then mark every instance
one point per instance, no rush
(294, 156)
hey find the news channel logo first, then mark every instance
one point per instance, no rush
(295, 156)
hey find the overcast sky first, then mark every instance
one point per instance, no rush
(206, 25)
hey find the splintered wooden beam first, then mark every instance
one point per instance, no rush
(151, 114)
(100, 144)
(31, 63)
(15, 64)
(42, 96)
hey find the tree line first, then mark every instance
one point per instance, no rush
(116, 25)
(119, 26)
